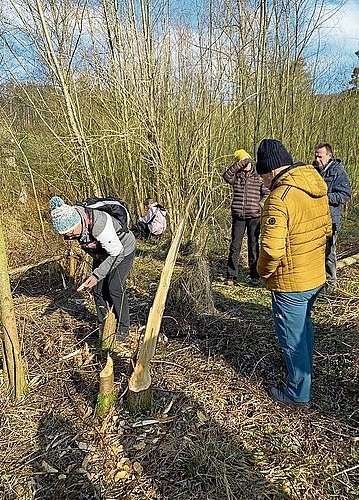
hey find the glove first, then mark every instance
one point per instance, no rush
(240, 155)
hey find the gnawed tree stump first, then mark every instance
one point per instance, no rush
(108, 331)
(139, 395)
(106, 396)
(13, 366)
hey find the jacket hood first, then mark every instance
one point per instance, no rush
(303, 177)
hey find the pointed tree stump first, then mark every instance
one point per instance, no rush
(108, 332)
(139, 395)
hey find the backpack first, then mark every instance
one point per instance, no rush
(160, 208)
(112, 206)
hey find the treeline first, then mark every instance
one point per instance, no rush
(139, 98)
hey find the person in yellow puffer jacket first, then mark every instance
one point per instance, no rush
(295, 225)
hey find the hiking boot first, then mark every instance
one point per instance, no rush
(280, 396)
(122, 335)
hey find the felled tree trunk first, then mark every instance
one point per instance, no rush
(14, 371)
(139, 395)
(23, 269)
(106, 396)
(348, 261)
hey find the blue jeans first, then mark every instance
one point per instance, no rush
(294, 328)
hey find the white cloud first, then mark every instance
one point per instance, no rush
(338, 39)
(341, 30)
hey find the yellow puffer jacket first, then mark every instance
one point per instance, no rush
(295, 224)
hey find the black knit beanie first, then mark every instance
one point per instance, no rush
(272, 154)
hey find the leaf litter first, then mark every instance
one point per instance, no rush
(213, 433)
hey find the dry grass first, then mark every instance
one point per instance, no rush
(213, 432)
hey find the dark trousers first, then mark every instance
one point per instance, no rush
(239, 226)
(111, 291)
(331, 259)
(143, 230)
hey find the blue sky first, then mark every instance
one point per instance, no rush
(331, 64)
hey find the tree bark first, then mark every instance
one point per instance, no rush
(14, 371)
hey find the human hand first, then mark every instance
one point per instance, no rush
(246, 161)
(88, 284)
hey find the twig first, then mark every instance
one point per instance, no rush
(346, 470)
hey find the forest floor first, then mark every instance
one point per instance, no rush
(213, 433)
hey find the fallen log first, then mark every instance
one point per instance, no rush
(348, 261)
(23, 269)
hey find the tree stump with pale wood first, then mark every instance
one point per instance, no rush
(106, 396)
(108, 331)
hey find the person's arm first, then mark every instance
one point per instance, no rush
(328, 224)
(149, 216)
(106, 235)
(341, 190)
(231, 173)
(273, 237)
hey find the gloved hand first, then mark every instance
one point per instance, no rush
(240, 155)
(246, 161)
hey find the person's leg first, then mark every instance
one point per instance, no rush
(118, 295)
(143, 229)
(238, 228)
(309, 326)
(253, 228)
(101, 296)
(331, 259)
(294, 329)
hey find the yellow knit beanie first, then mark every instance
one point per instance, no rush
(240, 155)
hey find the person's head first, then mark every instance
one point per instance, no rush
(66, 220)
(241, 155)
(148, 202)
(272, 157)
(323, 153)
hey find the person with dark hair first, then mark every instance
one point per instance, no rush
(248, 199)
(339, 192)
(295, 224)
(112, 250)
(153, 224)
